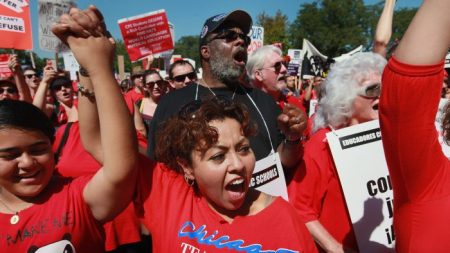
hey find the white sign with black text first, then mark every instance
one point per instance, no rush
(361, 165)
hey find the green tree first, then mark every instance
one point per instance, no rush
(333, 26)
(402, 18)
(275, 28)
(188, 47)
(121, 50)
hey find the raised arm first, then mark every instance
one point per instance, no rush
(428, 36)
(383, 32)
(22, 88)
(112, 187)
(39, 98)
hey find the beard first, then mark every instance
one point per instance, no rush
(223, 67)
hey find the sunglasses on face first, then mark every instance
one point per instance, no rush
(152, 83)
(29, 76)
(180, 78)
(371, 91)
(59, 87)
(230, 35)
(8, 90)
(276, 67)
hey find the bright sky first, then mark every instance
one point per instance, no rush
(187, 16)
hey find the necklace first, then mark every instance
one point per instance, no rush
(207, 86)
(15, 218)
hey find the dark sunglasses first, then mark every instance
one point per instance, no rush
(152, 84)
(59, 87)
(180, 78)
(370, 91)
(8, 90)
(230, 35)
(31, 75)
(276, 66)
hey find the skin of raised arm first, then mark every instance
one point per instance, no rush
(39, 97)
(112, 187)
(383, 32)
(427, 38)
(22, 87)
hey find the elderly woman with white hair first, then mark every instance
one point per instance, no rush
(349, 97)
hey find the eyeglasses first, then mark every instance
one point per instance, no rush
(276, 67)
(230, 35)
(370, 91)
(8, 90)
(158, 82)
(29, 76)
(180, 78)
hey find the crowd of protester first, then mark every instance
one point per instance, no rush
(164, 164)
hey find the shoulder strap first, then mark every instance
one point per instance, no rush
(63, 141)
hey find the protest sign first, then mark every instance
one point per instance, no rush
(71, 64)
(15, 27)
(5, 72)
(49, 12)
(256, 35)
(268, 176)
(359, 158)
(295, 55)
(146, 34)
(447, 61)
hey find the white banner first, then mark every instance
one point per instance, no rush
(49, 12)
(12, 24)
(359, 158)
(15, 5)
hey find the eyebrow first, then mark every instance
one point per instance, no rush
(38, 143)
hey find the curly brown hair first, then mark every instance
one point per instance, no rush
(190, 130)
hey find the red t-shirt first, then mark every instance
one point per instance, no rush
(316, 191)
(419, 171)
(61, 219)
(181, 221)
(131, 97)
(75, 162)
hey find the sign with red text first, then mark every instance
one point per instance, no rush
(256, 35)
(49, 12)
(15, 27)
(146, 34)
(361, 165)
(5, 71)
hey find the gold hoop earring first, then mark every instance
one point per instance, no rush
(190, 182)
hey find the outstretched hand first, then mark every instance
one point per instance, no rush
(292, 122)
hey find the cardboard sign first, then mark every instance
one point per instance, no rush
(49, 12)
(256, 35)
(15, 27)
(359, 158)
(268, 176)
(71, 64)
(146, 34)
(5, 72)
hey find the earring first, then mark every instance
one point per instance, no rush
(190, 182)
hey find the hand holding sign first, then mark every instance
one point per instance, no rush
(13, 64)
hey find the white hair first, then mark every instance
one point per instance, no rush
(339, 89)
(258, 57)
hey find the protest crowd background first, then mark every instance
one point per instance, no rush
(329, 134)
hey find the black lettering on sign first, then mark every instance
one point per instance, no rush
(265, 176)
(362, 138)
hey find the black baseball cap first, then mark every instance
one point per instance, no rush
(239, 17)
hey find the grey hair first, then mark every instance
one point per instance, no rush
(258, 57)
(340, 88)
